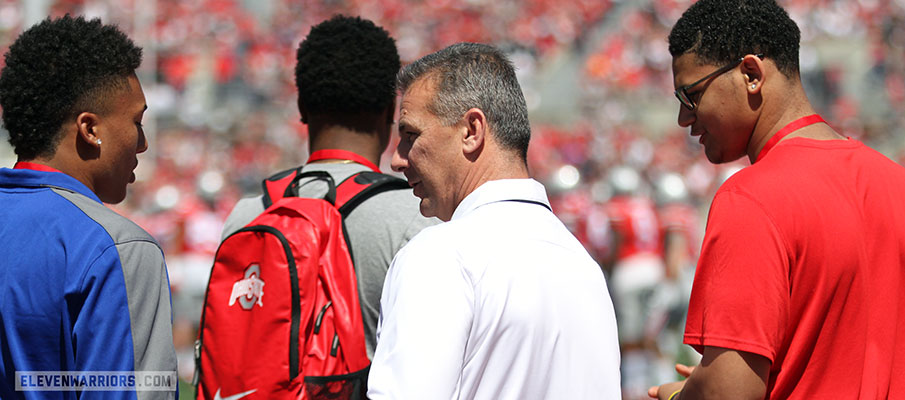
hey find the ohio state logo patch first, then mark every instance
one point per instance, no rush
(250, 290)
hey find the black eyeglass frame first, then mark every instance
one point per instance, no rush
(682, 92)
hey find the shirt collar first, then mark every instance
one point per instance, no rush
(502, 190)
(36, 179)
(34, 166)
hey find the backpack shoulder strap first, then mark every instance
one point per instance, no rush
(362, 186)
(275, 186)
(286, 184)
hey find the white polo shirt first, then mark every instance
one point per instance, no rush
(501, 302)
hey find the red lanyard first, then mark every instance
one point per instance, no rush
(34, 166)
(335, 154)
(791, 127)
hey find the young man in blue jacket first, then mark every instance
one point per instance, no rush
(81, 288)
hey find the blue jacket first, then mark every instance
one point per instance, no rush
(81, 287)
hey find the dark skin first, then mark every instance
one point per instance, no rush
(722, 374)
(365, 134)
(99, 149)
(735, 116)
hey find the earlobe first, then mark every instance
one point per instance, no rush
(753, 70)
(754, 86)
(88, 126)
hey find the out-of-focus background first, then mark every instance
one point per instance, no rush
(218, 77)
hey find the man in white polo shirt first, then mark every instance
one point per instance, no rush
(500, 301)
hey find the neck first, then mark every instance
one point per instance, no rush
(780, 112)
(501, 165)
(365, 144)
(73, 159)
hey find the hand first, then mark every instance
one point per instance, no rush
(684, 370)
(663, 391)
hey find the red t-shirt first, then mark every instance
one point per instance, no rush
(635, 219)
(803, 262)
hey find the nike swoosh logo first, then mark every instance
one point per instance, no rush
(235, 396)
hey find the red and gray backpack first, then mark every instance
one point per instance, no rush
(281, 316)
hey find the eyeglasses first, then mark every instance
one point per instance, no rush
(682, 92)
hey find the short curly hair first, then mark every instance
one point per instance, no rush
(720, 31)
(55, 70)
(346, 65)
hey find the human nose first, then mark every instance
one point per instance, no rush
(686, 116)
(142, 142)
(399, 162)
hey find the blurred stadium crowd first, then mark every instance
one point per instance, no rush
(218, 76)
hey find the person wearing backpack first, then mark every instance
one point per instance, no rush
(84, 291)
(345, 75)
(501, 301)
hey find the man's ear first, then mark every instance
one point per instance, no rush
(88, 125)
(476, 131)
(753, 69)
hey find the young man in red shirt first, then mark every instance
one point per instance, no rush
(797, 292)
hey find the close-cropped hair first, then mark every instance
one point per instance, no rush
(722, 31)
(346, 65)
(472, 75)
(57, 69)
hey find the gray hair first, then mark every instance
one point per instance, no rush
(471, 75)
